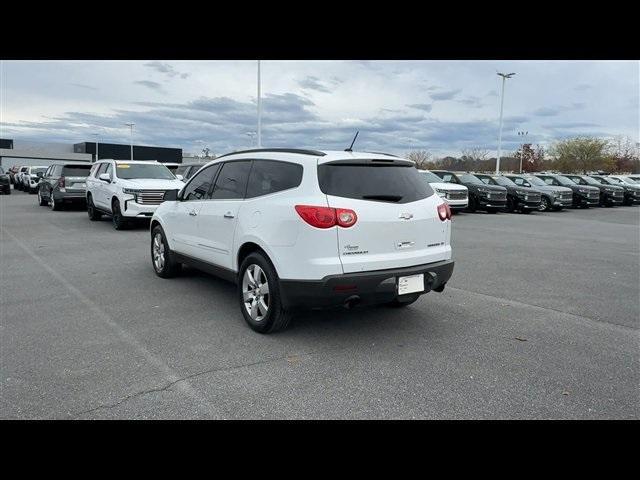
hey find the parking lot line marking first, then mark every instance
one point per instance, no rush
(604, 323)
(171, 376)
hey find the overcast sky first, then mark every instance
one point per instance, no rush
(441, 106)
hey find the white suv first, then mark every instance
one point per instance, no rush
(304, 228)
(457, 196)
(127, 190)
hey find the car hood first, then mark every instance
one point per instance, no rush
(151, 184)
(552, 188)
(450, 187)
(493, 188)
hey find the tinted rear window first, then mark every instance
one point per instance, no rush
(76, 171)
(397, 183)
(271, 176)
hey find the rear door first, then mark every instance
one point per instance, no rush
(398, 223)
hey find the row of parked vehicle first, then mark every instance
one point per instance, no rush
(305, 228)
(525, 193)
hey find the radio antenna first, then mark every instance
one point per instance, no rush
(350, 149)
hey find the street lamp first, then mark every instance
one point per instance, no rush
(259, 110)
(251, 135)
(97, 135)
(504, 78)
(523, 135)
(130, 125)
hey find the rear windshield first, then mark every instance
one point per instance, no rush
(396, 183)
(76, 171)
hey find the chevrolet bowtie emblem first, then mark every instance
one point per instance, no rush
(406, 216)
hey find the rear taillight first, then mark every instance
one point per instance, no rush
(61, 182)
(444, 212)
(327, 217)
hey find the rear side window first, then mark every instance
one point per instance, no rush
(232, 181)
(383, 182)
(76, 170)
(269, 176)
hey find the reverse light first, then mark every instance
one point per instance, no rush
(326, 217)
(444, 212)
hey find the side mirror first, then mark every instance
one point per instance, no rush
(179, 177)
(170, 195)
(526, 184)
(105, 177)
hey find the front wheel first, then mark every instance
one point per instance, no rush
(162, 258)
(41, 201)
(525, 211)
(259, 295)
(92, 211)
(492, 210)
(545, 205)
(119, 222)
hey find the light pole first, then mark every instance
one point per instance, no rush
(97, 135)
(130, 125)
(259, 110)
(504, 78)
(523, 135)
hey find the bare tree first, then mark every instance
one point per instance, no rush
(422, 158)
(475, 154)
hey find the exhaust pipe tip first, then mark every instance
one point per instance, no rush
(351, 302)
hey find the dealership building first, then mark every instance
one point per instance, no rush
(19, 152)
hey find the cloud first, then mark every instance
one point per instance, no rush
(472, 101)
(582, 87)
(81, 85)
(421, 106)
(313, 83)
(546, 112)
(446, 95)
(149, 84)
(166, 69)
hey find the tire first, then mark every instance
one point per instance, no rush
(41, 201)
(526, 211)
(492, 210)
(276, 317)
(398, 304)
(162, 259)
(472, 207)
(92, 211)
(545, 205)
(510, 208)
(53, 205)
(119, 222)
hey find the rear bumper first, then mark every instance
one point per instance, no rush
(77, 196)
(370, 288)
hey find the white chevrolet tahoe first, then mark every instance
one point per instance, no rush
(127, 190)
(457, 196)
(305, 228)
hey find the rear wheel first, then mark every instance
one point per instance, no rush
(162, 258)
(53, 205)
(259, 295)
(119, 222)
(92, 211)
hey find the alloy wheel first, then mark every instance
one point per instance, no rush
(255, 292)
(158, 252)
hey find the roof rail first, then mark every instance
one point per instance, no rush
(315, 153)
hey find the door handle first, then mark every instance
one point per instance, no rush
(192, 213)
(228, 215)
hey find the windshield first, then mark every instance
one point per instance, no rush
(504, 181)
(467, 178)
(614, 180)
(601, 180)
(36, 170)
(634, 179)
(487, 180)
(591, 181)
(565, 180)
(431, 177)
(447, 177)
(535, 181)
(129, 171)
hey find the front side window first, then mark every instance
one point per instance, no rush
(232, 181)
(101, 169)
(487, 180)
(109, 171)
(578, 180)
(130, 171)
(199, 187)
(431, 177)
(504, 181)
(518, 181)
(268, 176)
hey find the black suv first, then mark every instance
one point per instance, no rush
(583, 195)
(489, 197)
(5, 182)
(609, 194)
(520, 198)
(631, 192)
(553, 197)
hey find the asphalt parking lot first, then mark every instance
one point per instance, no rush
(540, 320)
